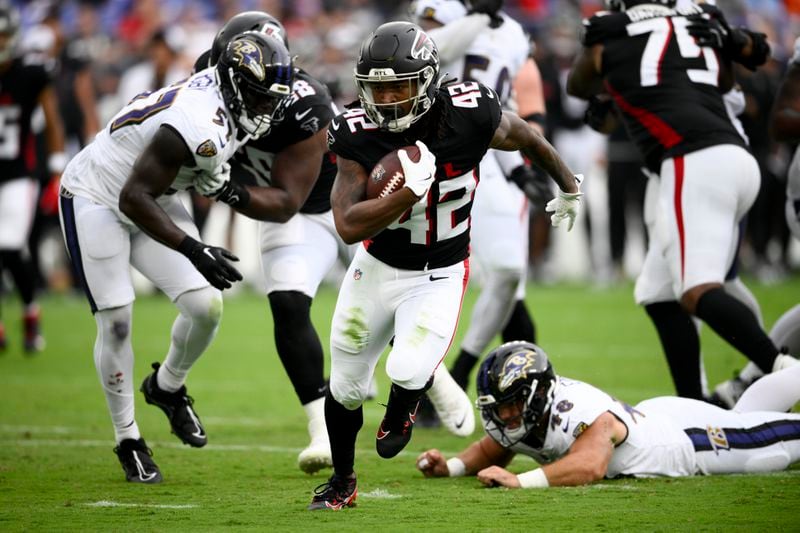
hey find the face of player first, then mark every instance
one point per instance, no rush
(511, 414)
(398, 93)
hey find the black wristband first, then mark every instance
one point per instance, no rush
(235, 195)
(188, 245)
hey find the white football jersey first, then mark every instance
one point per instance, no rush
(494, 58)
(193, 108)
(655, 446)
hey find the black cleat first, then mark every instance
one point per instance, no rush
(178, 408)
(393, 435)
(137, 461)
(338, 492)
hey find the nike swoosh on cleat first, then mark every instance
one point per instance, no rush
(436, 278)
(463, 419)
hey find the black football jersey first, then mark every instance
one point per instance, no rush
(666, 86)
(20, 87)
(457, 130)
(309, 111)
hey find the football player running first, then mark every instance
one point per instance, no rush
(25, 83)
(408, 278)
(293, 173)
(580, 434)
(673, 108)
(479, 42)
(118, 209)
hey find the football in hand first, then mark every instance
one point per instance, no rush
(387, 176)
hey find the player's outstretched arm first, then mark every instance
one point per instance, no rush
(586, 462)
(355, 217)
(477, 456)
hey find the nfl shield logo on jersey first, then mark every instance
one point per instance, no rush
(357, 274)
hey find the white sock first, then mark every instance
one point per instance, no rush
(315, 411)
(192, 332)
(113, 360)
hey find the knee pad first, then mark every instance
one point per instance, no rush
(203, 305)
(114, 325)
(350, 395)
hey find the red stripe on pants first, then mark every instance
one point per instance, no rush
(678, 161)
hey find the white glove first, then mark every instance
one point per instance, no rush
(565, 206)
(211, 184)
(419, 176)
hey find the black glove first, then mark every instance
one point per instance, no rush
(234, 194)
(211, 262)
(599, 112)
(709, 31)
(535, 185)
(487, 7)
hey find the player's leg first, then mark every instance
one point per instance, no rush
(98, 244)
(200, 312)
(360, 330)
(676, 330)
(17, 208)
(295, 257)
(702, 220)
(728, 442)
(425, 322)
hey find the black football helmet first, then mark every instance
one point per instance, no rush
(622, 5)
(397, 52)
(9, 30)
(255, 76)
(517, 372)
(258, 21)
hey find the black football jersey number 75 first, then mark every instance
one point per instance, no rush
(666, 86)
(435, 231)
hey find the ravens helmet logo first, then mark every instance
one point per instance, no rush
(249, 55)
(516, 367)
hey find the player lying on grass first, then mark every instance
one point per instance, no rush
(580, 434)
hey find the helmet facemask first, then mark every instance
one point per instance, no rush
(398, 115)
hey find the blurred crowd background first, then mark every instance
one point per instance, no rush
(106, 52)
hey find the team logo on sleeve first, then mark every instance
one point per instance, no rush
(249, 55)
(717, 438)
(579, 429)
(311, 124)
(207, 149)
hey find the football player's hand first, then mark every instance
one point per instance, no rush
(495, 476)
(565, 206)
(432, 464)
(48, 201)
(708, 31)
(535, 185)
(419, 175)
(212, 262)
(600, 114)
(211, 184)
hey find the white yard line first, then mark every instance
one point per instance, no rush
(106, 503)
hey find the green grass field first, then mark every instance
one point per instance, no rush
(58, 472)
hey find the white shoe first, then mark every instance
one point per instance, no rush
(783, 361)
(728, 392)
(452, 404)
(315, 457)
